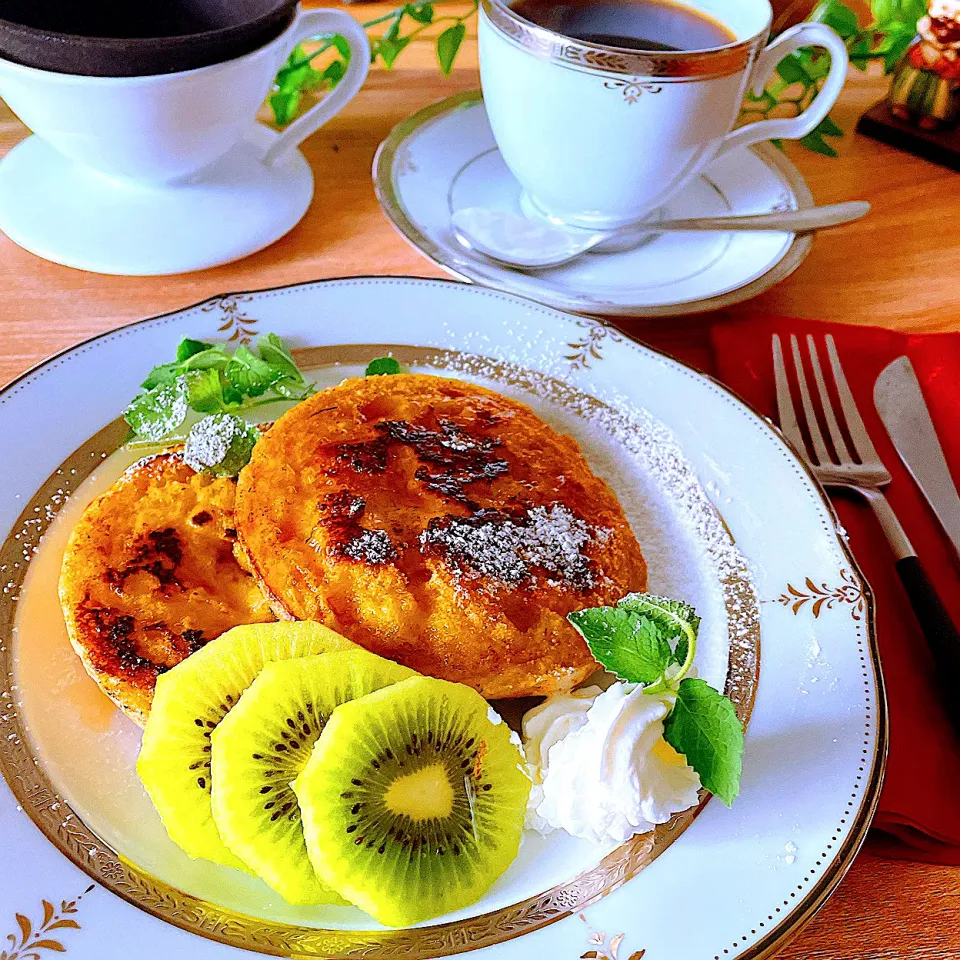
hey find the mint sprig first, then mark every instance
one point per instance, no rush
(639, 640)
(207, 379)
(633, 638)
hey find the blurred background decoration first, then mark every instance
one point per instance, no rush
(877, 34)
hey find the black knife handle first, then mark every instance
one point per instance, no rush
(943, 638)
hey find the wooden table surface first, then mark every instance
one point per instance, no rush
(897, 268)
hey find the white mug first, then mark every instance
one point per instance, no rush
(165, 127)
(601, 136)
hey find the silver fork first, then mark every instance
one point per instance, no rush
(865, 475)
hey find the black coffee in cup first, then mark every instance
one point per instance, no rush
(118, 38)
(653, 25)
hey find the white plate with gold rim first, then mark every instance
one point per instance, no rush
(728, 518)
(444, 158)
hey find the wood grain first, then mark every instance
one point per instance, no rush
(898, 268)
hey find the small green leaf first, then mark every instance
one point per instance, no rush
(343, 48)
(334, 72)
(703, 726)
(829, 128)
(681, 651)
(284, 106)
(389, 48)
(624, 642)
(162, 375)
(836, 14)
(421, 12)
(249, 374)
(220, 445)
(188, 348)
(215, 359)
(382, 366)
(157, 412)
(448, 44)
(791, 69)
(674, 617)
(274, 351)
(204, 391)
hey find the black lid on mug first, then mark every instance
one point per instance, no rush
(136, 38)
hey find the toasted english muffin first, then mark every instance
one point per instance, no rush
(149, 576)
(440, 525)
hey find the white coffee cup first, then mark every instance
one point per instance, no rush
(165, 127)
(601, 136)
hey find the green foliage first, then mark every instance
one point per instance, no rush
(412, 21)
(800, 75)
(382, 366)
(207, 379)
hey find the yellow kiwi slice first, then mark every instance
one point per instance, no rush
(190, 700)
(261, 746)
(413, 800)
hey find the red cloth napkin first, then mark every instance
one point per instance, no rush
(919, 813)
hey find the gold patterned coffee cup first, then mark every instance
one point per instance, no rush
(600, 136)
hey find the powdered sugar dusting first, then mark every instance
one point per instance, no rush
(371, 546)
(512, 548)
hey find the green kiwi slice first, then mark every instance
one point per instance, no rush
(261, 746)
(189, 701)
(413, 800)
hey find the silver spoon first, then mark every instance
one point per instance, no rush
(517, 241)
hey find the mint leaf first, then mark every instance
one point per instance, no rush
(204, 392)
(249, 374)
(673, 617)
(448, 44)
(215, 359)
(382, 366)
(274, 351)
(625, 643)
(703, 726)
(190, 347)
(221, 445)
(154, 414)
(162, 375)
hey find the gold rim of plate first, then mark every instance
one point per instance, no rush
(29, 783)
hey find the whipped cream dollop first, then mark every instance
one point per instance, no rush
(600, 767)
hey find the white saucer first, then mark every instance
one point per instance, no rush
(74, 216)
(445, 157)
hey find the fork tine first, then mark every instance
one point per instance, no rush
(858, 432)
(785, 410)
(819, 447)
(832, 426)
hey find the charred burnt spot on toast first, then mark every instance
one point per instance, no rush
(137, 652)
(451, 456)
(340, 514)
(520, 546)
(158, 553)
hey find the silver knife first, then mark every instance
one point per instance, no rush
(899, 401)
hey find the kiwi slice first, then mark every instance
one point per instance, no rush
(189, 701)
(413, 800)
(261, 746)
